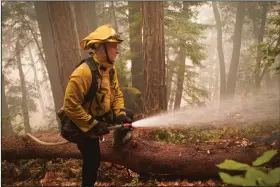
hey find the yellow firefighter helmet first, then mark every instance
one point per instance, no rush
(103, 34)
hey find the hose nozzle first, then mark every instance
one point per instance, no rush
(126, 125)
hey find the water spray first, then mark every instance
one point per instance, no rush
(229, 113)
(233, 112)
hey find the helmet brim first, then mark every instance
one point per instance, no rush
(89, 43)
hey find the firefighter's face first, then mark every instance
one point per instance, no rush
(112, 51)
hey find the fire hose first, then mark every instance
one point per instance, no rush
(113, 127)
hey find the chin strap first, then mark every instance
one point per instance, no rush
(107, 56)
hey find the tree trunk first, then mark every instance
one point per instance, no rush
(103, 13)
(231, 80)
(7, 129)
(154, 65)
(216, 83)
(135, 41)
(171, 100)
(169, 75)
(259, 52)
(45, 27)
(180, 76)
(67, 48)
(37, 84)
(220, 51)
(182, 60)
(80, 9)
(24, 103)
(116, 28)
(138, 155)
(91, 15)
(114, 16)
(136, 44)
(81, 19)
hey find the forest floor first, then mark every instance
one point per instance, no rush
(67, 172)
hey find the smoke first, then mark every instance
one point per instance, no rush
(247, 110)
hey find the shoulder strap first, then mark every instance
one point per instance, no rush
(84, 60)
(93, 88)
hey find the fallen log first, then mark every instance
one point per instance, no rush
(138, 155)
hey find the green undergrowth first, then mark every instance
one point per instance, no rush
(255, 174)
(199, 134)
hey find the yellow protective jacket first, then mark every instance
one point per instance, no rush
(108, 96)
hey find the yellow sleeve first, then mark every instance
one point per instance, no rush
(78, 85)
(118, 102)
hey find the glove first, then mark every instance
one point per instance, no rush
(101, 128)
(123, 119)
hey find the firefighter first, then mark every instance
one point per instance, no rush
(107, 107)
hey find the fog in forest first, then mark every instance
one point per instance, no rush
(192, 60)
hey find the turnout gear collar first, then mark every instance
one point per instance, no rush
(103, 34)
(102, 63)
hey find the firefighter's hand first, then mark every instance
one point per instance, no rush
(123, 119)
(101, 128)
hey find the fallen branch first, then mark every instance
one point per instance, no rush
(138, 155)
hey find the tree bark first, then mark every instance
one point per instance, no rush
(155, 99)
(80, 9)
(231, 80)
(42, 14)
(91, 15)
(220, 51)
(259, 52)
(67, 48)
(7, 129)
(138, 155)
(114, 16)
(115, 25)
(24, 103)
(103, 13)
(81, 18)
